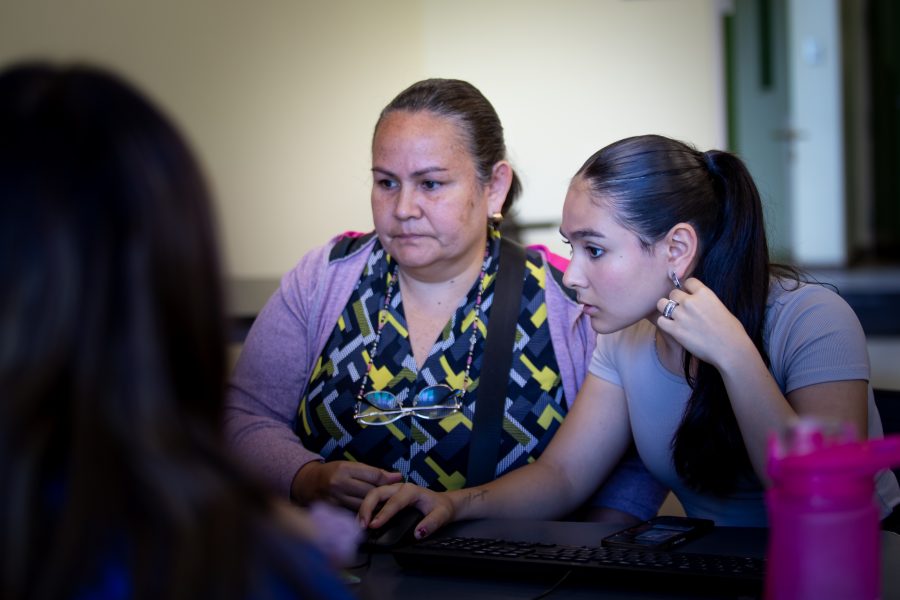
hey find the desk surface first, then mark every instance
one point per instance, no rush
(383, 579)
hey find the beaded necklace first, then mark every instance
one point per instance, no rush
(382, 320)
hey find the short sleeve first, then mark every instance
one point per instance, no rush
(602, 363)
(814, 337)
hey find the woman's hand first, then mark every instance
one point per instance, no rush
(341, 482)
(703, 326)
(436, 506)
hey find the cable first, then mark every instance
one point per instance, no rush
(554, 587)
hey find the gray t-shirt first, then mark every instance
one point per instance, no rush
(812, 336)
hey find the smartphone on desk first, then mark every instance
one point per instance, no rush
(659, 533)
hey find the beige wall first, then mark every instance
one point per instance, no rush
(570, 77)
(280, 97)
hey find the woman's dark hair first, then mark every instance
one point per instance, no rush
(463, 103)
(112, 351)
(651, 183)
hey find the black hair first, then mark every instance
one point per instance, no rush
(651, 183)
(112, 355)
(466, 105)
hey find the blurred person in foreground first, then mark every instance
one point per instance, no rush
(112, 364)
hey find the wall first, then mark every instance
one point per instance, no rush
(280, 96)
(570, 77)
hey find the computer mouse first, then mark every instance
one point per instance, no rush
(398, 531)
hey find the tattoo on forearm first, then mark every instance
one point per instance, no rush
(479, 495)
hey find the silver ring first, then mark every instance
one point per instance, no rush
(669, 309)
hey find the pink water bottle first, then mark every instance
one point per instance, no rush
(824, 533)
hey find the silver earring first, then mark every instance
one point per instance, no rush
(675, 280)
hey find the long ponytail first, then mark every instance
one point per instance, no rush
(653, 182)
(708, 448)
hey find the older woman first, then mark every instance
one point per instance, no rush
(367, 366)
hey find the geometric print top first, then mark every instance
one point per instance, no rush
(431, 453)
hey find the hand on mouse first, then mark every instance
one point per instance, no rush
(437, 507)
(397, 531)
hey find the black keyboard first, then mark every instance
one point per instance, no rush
(602, 565)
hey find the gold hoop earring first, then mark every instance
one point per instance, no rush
(496, 218)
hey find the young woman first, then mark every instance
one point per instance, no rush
(706, 347)
(116, 480)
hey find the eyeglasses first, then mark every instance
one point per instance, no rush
(432, 402)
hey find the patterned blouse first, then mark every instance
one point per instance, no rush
(431, 453)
